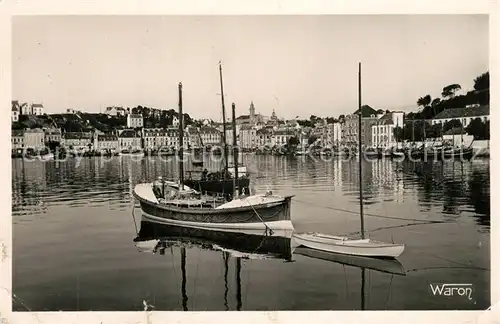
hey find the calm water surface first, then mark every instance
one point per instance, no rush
(73, 234)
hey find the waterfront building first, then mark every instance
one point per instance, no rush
(263, 137)
(464, 115)
(107, 142)
(53, 135)
(78, 141)
(383, 130)
(135, 121)
(194, 138)
(248, 137)
(280, 137)
(34, 138)
(155, 138)
(173, 139)
(333, 134)
(15, 111)
(210, 136)
(130, 140)
(17, 139)
(350, 127)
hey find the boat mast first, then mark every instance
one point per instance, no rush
(360, 157)
(235, 155)
(181, 141)
(223, 120)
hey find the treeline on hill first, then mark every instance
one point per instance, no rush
(81, 122)
(414, 124)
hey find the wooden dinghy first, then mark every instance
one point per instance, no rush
(345, 245)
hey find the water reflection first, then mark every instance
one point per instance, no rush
(156, 238)
(72, 203)
(455, 186)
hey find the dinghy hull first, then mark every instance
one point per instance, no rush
(335, 244)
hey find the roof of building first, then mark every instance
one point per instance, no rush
(243, 117)
(453, 131)
(386, 119)
(263, 131)
(128, 133)
(117, 108)
(283, 132)
(366, 111)
(77, 135)
(107, 137)
(15, 105)
(208, 130)
(36, 105)
(135, 116)
(155, 132)
(464, 112)
(192, 130)
(246, 127)
(17, 133)
(53, 131)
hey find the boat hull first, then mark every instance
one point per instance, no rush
(367, 247)
(275, 215)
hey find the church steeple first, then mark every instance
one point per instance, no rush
(252, 111)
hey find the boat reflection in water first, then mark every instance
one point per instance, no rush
(156, 238)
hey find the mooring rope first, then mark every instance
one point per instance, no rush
(256, 213)
(368, 214)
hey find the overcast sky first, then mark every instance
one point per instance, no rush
(297, 65)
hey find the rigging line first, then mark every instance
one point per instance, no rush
(451, 261)
(366, 214)
(397, 226)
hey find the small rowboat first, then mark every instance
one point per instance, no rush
(345, 245)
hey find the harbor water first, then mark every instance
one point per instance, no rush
(74, 231)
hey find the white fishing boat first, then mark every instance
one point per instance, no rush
(345, 245)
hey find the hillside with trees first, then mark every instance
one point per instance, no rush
(431, 107)
(81, 121)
